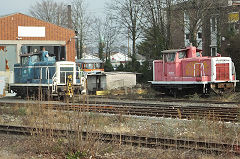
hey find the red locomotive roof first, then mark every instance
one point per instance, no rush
(198, 50)
(179, 50)
(173, 51)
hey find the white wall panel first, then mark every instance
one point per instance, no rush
(31, 31)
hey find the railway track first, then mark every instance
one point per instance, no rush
(93, 98)
(191, 112)
(134, 140)
(164, 99)
(226, 114)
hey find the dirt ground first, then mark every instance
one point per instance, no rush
(21, 147)
(13, 147)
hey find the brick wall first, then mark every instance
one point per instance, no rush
(177, 29)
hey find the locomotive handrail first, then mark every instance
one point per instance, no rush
(54, 82)
(79, 73)
(201, 69)
(40, 73)
(47, 75)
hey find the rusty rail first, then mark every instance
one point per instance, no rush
(134, 140)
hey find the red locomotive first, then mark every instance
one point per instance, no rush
(187, 71)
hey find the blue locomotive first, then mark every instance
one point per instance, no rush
(38, 74)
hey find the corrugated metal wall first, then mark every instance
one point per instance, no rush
(120, 80)
(9, 54)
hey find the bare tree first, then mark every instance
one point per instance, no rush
(111, 33)
(81, 22)
(98, 30)
(108, 33)
(50, 11)
(156, 24)
(128, 14)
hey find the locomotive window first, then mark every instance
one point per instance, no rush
(25, 60)
(198, 54)
(63, 77)
(233, 69)
(66, 69)
(169, 57)
(35, 58)
(64, 72)
(182, 55)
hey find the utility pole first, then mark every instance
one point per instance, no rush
(128, 43)
(77, 44)
(81, 45)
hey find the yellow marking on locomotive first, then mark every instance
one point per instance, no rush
(69, 86)
(190, 69)
(189, 72)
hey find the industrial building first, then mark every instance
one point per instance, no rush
(20, 33)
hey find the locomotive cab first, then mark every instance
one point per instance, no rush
(28, 59)
(176, 55)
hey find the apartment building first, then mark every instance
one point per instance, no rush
(212, 30)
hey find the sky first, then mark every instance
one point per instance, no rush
(96, 7)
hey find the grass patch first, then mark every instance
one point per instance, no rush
(195, 97)
(76, 155)
(22, 111)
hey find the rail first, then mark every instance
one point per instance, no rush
(125, 139)
(225, 114)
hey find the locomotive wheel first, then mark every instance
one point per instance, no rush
(44, 95)
(23, 96)
(48, 95)
(222, 88)
(174, 92)
(55, 98)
